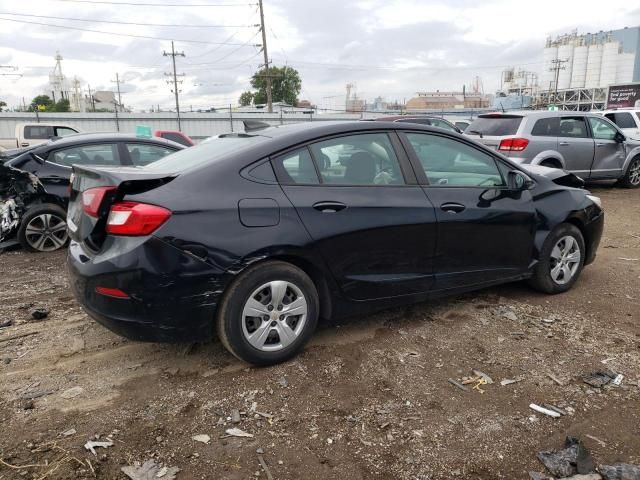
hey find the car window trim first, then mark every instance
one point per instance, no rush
(403, 161)
(423, 180)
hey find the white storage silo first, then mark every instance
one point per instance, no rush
(609, 63)
(594, 62)
(624, 69)
(548, 77)
(565, 52)
(579, 68)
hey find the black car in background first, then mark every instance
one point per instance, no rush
(257, 235)
(40, 220)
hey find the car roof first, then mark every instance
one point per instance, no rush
(393, 118)
(535, 114)
(81, 138)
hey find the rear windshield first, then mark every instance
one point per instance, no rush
(207, 152)
(494, 126)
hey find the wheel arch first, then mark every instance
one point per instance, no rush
(549, 155)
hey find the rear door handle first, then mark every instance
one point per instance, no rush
(329, 207)
(600, 144)
(452, 207)
(564, 144)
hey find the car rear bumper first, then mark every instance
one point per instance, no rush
(173, 296)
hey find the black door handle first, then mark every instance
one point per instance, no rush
(452, 207)
(329, 207)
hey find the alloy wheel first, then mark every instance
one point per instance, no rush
(565, 260)
(46, 232)
(634, 172)
(274, 316)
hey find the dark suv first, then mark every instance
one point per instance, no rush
(583, 143)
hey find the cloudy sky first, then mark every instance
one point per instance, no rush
(385, 47)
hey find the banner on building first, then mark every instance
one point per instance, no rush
(624, 96)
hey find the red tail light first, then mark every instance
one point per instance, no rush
(92, 198)
(513, 144)
(135, 219)
(111, 292)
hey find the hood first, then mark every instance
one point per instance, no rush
(556, 175)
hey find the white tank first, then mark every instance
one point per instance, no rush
(565, 52)
(609, 63)
(579, 68)
(594, 62)
(624, 69)
(547, 77)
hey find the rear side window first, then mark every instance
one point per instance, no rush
(497, 126)
(64, 131)
(622, 119)
(142, 154)
(38, 132)
(297, 167)
(96, 154)
(367, 159)
(449, 162)
(574, 127)
(546, 127)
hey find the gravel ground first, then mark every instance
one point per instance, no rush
(369, 397)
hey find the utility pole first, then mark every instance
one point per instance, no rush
(91, 99)
(175, 90)
(266, 59)
(118, 82)
(557, 66)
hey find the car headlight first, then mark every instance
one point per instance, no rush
(595, 200)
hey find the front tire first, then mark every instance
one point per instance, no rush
(631, 177)
(43, 228)
(268, 313)
(561, 260)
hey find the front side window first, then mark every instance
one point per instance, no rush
(622, 119)
(38, 132)
(143, 154)
(297, 167)
(574, 127)
(601, 129)
(367, 159)
(449, 162)
(100, 154)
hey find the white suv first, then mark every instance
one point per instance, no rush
(627, 120)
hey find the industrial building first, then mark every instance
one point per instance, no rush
(578, 69)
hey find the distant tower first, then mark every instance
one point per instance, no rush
(57, 81)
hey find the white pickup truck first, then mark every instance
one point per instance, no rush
(30, 134)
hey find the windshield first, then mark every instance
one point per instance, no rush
(494, 126)
(206, 152)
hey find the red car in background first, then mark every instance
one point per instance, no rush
(175, 136)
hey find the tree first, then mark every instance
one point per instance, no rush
(246, 99)
(285, 85)
(43, 100)
(61, 105)
(2, 104)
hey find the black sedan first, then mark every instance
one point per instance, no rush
(41, 225)
(257, 235)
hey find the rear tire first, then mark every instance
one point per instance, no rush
(268, 313)
(43, 228)
(631, 177)
(561, 260)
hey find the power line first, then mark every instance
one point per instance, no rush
(117, 22)
(138, 4)
(245, 44)
(173, 56)
(147, 37)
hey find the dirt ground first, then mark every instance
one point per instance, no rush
(368, 398)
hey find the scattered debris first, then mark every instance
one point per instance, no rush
(596, 439)
(235, 416)
(284, 383)
(554, 408)
(546, 411)
(264, 466)
(236, 432)
(91, 445)
(72, 392)
(40, 313)
(36, 394)
(509, 315)
(203, 438)
(508, 381)
(458, 385)
(620, 471)
(68, 433)
(573, 459)
(16, 337)
(6, 323)
(487, 379)
(599, 378)
(629, 259)
(150, 470)
(618, 380)
(555, 379)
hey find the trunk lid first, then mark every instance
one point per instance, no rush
(123, 180)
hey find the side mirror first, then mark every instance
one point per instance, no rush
(520, 181)
(619, 137)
